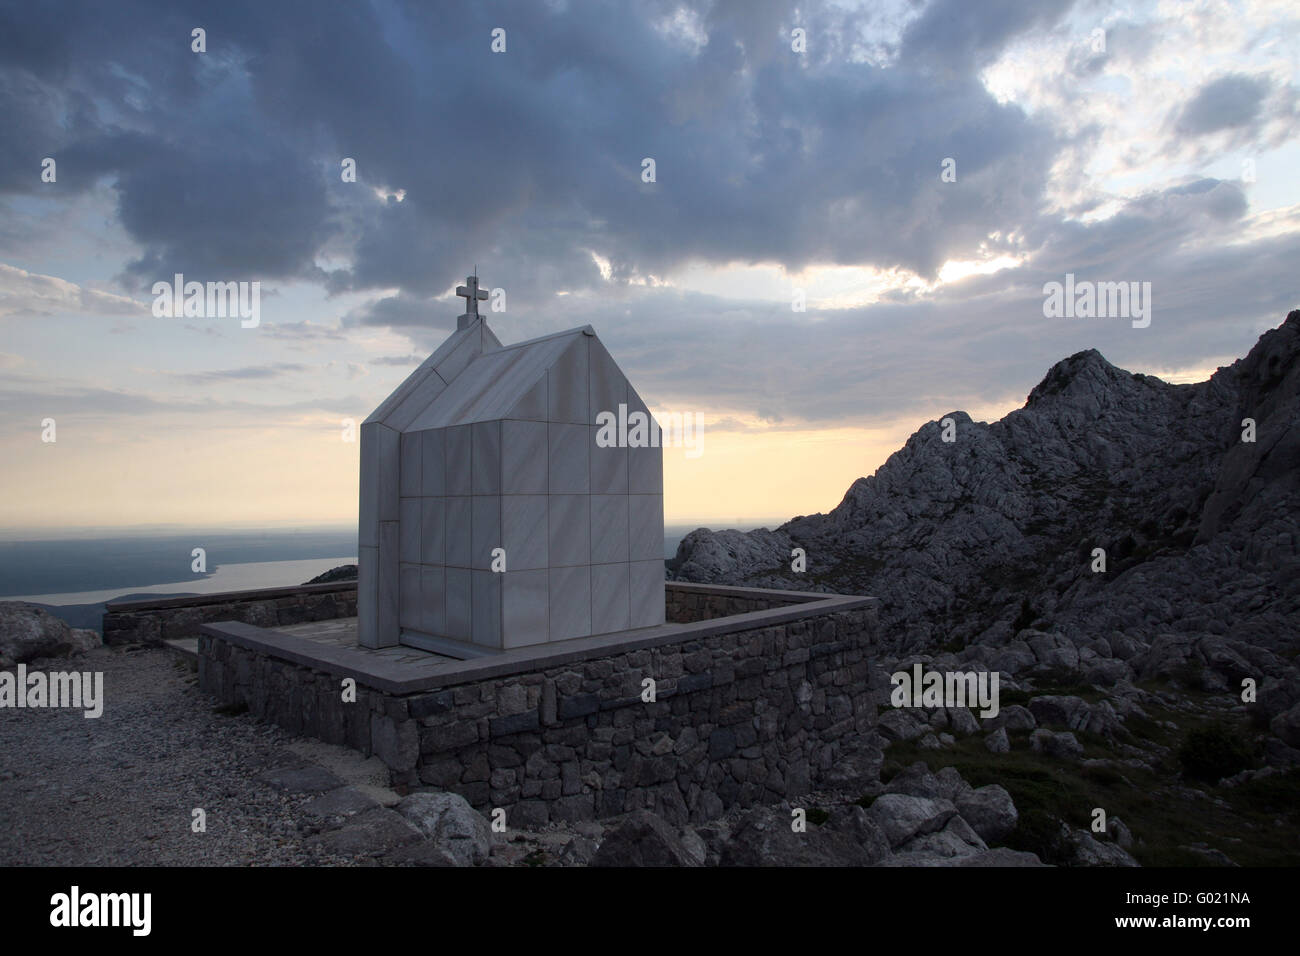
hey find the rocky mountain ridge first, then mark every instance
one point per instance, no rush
(970, 540)
(1125, 557)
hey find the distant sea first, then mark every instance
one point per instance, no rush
(74, 577)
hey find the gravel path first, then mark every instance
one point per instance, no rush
(120, 790)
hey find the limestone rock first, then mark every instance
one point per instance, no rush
(448, 820)
(989, 548)
(1013, 717)
(28, 632)
(643, 839)
(858, 824)
(577, 852)
(900, 724)
(918, 781)
(763, 837)
(990, 811)
(1064, 746)
(1076, 713)
(1287, 726)
(962, 721)
(1120, 833)
(1084, 849)
(903, 817)
(855, 770)
(956, 839)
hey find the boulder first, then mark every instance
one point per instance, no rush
(1013, 658)
(28, 632)
(1083, 849)
(1166, 657)
(448, 820)
(962, 721)
(856, 770)
(998, 742)
(899, 724)
(1120, 833)
(577, 852)
(763, 837)
(1076, 714)
(644, 839)
(857, 824)
(1286, 726)
(696, 846)
(918, 781)
(902, 817)
(1013, 718)
(1107, 672)
(990, 811)
(1063, 746)
(956, 839)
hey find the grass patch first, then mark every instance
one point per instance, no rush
(1217, 750)
(1259, 827)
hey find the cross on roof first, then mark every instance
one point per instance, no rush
(472, 294)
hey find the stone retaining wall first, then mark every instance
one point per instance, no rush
(748, 709)
(152, 622)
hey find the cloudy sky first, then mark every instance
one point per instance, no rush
(1148, 142)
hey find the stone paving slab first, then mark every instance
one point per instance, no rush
(301, 779)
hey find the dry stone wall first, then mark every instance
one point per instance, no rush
(744, 715)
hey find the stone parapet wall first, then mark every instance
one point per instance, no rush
(152, 622)
(748, 709)
(685, 603)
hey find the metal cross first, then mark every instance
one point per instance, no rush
(472, 294)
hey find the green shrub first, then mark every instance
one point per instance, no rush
(1215, 751)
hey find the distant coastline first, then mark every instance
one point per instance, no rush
(74, 577)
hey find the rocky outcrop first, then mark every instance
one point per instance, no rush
(449, 820)
(992, 544)
(974, 540)
(344, 572)
(644, 839)
(28, 633)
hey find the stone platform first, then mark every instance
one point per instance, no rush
(755, 695)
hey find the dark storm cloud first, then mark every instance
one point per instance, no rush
(962, 36)
(404, 310)
(984, 339)
(226, 163)
(1226, 103)
(225, 166)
